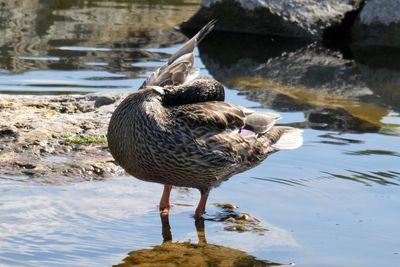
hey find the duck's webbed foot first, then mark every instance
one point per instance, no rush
(164, 202)
(201, 207)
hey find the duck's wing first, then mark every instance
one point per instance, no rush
(213, 126)
(221, 128)
(210, 116)
(179, 67)
(221, 116)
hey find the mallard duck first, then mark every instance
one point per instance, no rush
(178, 131)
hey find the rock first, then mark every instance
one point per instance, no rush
(235, 220)
(56, 139)
(294, 18)
(226, 206)
(378, 24)
(102, 99)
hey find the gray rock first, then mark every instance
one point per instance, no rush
(378, 24)
(294, 18)
(103, 99)
(381, 12)
(56, 139)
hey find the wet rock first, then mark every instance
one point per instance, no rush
(235, 220)
(378, 24)
(294, 18)
(101, 99)
(50, 139)
(226, 206)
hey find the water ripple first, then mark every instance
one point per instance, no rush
(288, 182)
(58, 225)
(373, 152)
(370, 178)
(335, 139)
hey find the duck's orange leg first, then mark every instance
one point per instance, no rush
(164, 202)
(201, 208)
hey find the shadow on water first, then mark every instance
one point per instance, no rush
(171, 253)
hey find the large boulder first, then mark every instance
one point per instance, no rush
(378, 24)
(294, 18)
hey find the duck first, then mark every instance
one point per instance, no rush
(177, 130)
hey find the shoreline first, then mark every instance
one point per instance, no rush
(57, 138)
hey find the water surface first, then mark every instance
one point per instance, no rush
(333, 202)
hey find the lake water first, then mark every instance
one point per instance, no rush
(333, 202)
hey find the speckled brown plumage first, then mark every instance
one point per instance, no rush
(185, 135)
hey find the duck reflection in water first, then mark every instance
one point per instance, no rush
(178, 131)
(191, 254)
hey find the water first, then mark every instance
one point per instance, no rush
(333, 202)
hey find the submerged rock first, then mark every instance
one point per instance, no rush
(294, 18)
(235, 220)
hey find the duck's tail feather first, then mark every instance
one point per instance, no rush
(291, 138)
(205, 30)
(193, 42)
(178, 69)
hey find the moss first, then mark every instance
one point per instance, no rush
(85, 139)
(75, 165)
